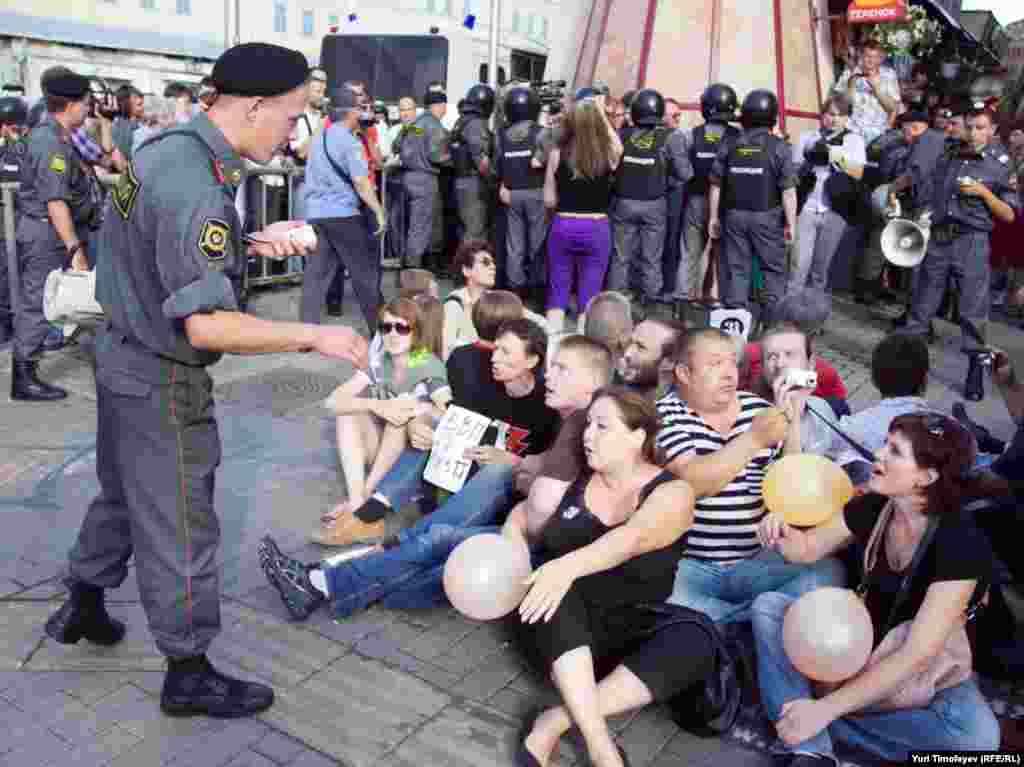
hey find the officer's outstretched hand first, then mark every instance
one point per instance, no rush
(278, 249)
(340, 342)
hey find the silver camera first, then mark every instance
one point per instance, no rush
(801, 379)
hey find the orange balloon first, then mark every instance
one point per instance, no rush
(485, 576)
(806, 489)
(827, 634)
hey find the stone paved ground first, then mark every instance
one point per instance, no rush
(384, 688)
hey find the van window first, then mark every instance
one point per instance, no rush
(392, 66)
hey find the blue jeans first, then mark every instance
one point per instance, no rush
(404, 479)
(409, 576)
(725, 592)
(958, 718)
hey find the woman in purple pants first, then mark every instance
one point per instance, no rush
(578, 189)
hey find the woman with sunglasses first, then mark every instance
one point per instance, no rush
(474, 262)
(920, 475)
(374, 406)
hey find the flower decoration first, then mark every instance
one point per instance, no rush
(918, 36)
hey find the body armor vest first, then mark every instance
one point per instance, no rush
(751, 182)
(643, 170)
(516, 170)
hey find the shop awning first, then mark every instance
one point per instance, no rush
(937, 11)
(73, 32)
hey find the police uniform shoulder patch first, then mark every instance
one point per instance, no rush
(126, 192)
(58, 164)
(213, 238)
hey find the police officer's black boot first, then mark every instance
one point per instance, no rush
(6, 329)
(84, 616)
(26, 386)
(193, 686)
(974, 388)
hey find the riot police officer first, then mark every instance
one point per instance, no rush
(651, 153)
(970, 190)
(13, 116)
(718, 106)
(522, 189)
(422, 152)
(471, 146)
(752, 204)
(57, 205)
(171, 313)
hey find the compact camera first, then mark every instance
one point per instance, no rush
(801, 379)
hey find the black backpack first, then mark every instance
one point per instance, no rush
(710, 708)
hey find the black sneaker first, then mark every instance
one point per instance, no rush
(194, 687)
(84, 616)
(291, 579)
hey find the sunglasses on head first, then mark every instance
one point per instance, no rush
(402, 328)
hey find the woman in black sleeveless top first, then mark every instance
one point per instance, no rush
(612, 545)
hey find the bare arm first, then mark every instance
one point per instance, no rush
(789, 207)
(367, 194)
(550, 188)
(60, 217)
(804, 547)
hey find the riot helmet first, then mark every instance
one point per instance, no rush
(13, 111)
(760, 109)
(718, 102)
(480, 99)
(647, 108)
(521, 104)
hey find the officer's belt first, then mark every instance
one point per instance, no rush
(947, 232)
(145, 364)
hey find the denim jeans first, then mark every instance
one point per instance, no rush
(958, 718)
(409, 576)
(404, 479)
(725, 592)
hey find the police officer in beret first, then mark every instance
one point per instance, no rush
(171, 313)
(970, 190)
(752, 205)
(718, 106)
(471, 145)
(651, 154)
(13, 116)
(56, 207)
(423, 151)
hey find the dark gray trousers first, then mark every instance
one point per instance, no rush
(5, 284)
(747, 233)
(425, 227)
(526, 227)
(40, 251)
(967, 258)
(473, 200)
(638, 225)
(157, 450)
(342, 242)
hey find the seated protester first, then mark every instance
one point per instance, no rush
(920, 478)
(786, 348)
(650, 351)
(374, 406)
(608, 319)
(809, 309)
(474, 263)
(406, 572)
(611, 547)
(722, 441)
(411, 283)
(1010, 465)
(512, 396)
(899, 370)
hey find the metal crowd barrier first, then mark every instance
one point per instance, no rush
(265, 271)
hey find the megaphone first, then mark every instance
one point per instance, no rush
(904, 243)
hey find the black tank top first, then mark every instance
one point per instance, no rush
(646, 578)
(582, 195)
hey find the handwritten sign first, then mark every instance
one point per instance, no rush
(459, 430)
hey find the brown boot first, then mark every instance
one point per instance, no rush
(348, 529)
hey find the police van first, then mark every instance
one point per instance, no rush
(400, 54)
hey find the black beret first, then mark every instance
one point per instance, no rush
(259, 69)
(66, 85)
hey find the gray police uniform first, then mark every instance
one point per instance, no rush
(703, 144)
(53, 170)
(424, 148)
(650, 155)
(753, 173)
(123, 134)
(525, 213)
(471, 141)
(959, 242)
(12, 156)
(171, 221)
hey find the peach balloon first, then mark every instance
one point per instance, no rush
(805, 489)
(485, 576)
(827, 634)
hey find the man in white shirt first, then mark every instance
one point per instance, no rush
(835, 157)
(874, 90)
(308, 126)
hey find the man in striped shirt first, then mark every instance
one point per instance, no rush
(722, 442)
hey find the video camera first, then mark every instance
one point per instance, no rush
(551, 93)
(104, 104)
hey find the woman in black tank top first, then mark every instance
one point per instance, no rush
(612, 545)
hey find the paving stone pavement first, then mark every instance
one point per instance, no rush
(398, 689)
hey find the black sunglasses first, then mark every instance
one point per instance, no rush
(402, 328)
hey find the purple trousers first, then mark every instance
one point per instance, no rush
(580, 245)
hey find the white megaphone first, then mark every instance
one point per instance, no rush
(904, 243)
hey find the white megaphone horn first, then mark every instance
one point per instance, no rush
(904, 243)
